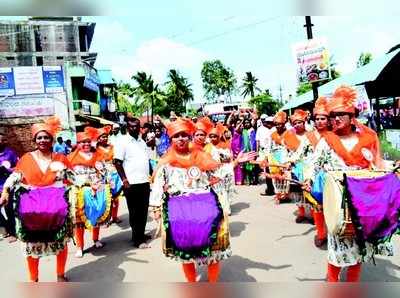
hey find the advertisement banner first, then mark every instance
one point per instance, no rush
(53, 78)
(28, 80)
(7, 87)
(91, 79)
(363, 103)
(22, 106)
(312, 59)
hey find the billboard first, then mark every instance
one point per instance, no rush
(26, 80)
(312, 59)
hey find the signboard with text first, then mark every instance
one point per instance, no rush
(26, 80)
(312, 59)
(23, 106)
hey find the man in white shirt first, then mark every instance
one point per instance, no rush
(263, 138)
(131, 158)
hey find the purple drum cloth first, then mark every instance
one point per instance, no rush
(43, 209)
(377, 201)
(191, 217)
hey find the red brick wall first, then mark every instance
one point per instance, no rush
(19, 138)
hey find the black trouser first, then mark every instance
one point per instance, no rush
(9, 223)
(270, 187)
(137, 199)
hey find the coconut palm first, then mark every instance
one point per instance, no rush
(147, 93)
(249, 85)
(180, 86)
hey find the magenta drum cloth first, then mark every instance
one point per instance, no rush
(377, 205)
(192, 219)
(43, 209)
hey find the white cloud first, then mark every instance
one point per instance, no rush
(158, 56)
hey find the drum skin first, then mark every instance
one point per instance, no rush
(332, 204)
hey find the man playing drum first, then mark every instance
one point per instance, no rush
(350, 146)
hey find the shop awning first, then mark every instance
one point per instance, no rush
(96, 119)
(105, 77)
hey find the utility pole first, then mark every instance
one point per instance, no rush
(308, 27)
(280, 93)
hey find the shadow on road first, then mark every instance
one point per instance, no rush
(236, 228)
(237, 207)
(118, 250)
(384, 270)
(235, 269)
(297, 235)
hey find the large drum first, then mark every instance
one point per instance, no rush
(42, 213)
(337, 204)
(192, 222)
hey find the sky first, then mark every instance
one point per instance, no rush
(155, 36)
(158, 41)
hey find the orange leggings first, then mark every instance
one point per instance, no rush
(114, 209)
(353, 273)
(301, 211)
(33, 265)
(79, 236)
(190, 272)
(319, 221)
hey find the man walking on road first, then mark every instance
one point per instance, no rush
(131, 159)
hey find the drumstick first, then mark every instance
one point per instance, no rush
(283, 178)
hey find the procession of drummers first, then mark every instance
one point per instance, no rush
(332, 170)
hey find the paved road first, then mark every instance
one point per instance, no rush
(267, 246)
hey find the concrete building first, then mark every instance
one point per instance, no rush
(45, 41)
(35, 57)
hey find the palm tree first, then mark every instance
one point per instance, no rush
(179, 91)
(147, 93)
(249, 85)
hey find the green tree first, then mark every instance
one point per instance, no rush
(124, 93)
(178, 93)
(249, 86)
(148, 95)
(265, 103)
(217, 80)
(364, 59)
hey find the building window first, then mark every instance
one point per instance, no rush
(60, 57)
(10, 58)
(39, 61)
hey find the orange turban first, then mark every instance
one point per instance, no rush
(280, 117)
(180, 125)
(81, 136)
(95, 133)
(320, 107)
(299, 115)
(51, 125)
(343, 100)
(204, 124)
(218, 130)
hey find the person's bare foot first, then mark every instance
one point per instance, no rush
(12, 239)
(117, 220)
(62, 278)
(143, 245)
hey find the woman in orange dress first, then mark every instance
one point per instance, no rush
(321, 120)
(92, 195)
(106, 153)
(43, 210)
